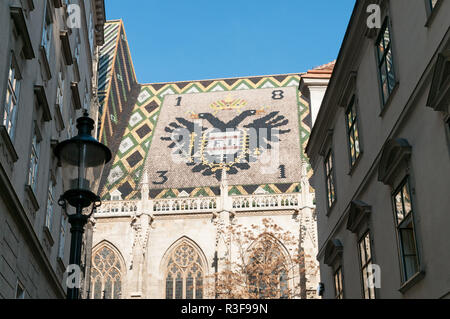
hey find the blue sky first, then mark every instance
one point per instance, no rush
(193, 40)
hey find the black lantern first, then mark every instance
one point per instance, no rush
(82, 159)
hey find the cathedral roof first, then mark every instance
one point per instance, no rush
(131, 111)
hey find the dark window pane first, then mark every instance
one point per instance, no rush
(390, 71)
(406, 199)
(368, 247)
(399, 207)
(362, 251)
(189, 287)
(410, 260)
(284, 292)
(199, 287)
(179, 287)
(387, 36)
(108, 288)
(117, 289)
(98, 289)
(169, 287)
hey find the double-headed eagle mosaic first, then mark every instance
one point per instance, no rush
(208, 144)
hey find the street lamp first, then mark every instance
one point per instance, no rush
(82, 159)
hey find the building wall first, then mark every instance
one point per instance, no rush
(145, 277)
(415, 50)
(29, 250)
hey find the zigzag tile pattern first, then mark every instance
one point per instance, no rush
(125, 173)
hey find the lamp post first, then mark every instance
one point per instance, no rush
(82, 159)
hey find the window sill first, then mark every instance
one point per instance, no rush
(59, 118)
(432, 14)
(8, 143)
(49, 236)
(45, 62)
(76, 70)
(389, 101)
(32, 196)
(412, 281)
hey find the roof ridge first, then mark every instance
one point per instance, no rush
(230, 78)
(329, 65)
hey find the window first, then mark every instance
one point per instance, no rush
(77, 51)
(267, 271)
(338, 284)
(60, 91)
(91, 31)
(20, 291)
(106, 275)
(62, 236)
(385, 62)
(12, 99)
(365, 254)
(432, 3)
(184, 278)
(47, 31)
(406, 231)
(50, 205)
(34, 160)
(329, 170)
(353, 132)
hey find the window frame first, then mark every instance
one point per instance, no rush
(350, 129)
(106, 272)
(380, 61)
(34, 158)
(50, 210)
(181, 275)
(329, 175)
(47, 30)
(20, 286)
(12, 98)
(60, 90)
(338, 290)
(408, 219)
(431, 11)
(365, 263)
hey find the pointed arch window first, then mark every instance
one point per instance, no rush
(267, 270)
(184, 278)
(106, 275)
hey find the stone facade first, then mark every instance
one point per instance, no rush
(143, 234)
(47, 63)
(380, 153)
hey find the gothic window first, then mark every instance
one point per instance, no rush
(184, 278)
(106, 275)
(267, 270)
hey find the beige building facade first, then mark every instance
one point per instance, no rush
(380, 153)
(47, 66)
